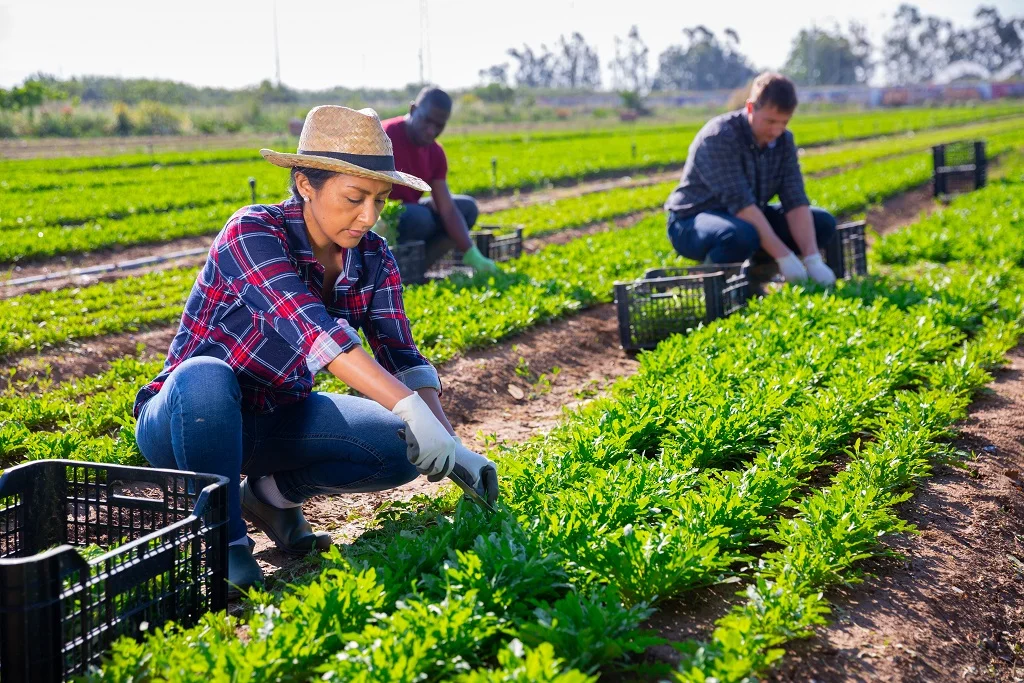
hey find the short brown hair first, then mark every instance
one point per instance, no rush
(774, 89)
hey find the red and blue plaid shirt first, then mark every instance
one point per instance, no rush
(257, 305)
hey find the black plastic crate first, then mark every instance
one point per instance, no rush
(163, 539)
(669, 301)
(498, 247)
(411, 258)
(847, 252)
(503, 247)
(958, 167)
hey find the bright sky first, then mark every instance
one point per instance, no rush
(376, 43)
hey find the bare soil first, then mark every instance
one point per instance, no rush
(482, 405)
(902, 210)
(952, 608)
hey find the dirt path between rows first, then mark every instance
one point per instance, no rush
(953, 608)
(485, 397)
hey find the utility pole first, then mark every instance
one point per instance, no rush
(277, 51)
(424, 43)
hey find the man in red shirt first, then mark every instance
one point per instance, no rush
(441, 220)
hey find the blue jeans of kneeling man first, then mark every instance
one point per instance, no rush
(719, 237)
(326, 444)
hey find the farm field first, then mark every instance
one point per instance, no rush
(45, 214)
(739, 477)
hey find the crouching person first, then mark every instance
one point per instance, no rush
(720, 212)
(282, 293)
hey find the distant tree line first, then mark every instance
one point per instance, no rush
(917, 48)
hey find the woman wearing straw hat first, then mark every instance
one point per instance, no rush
(283, 291)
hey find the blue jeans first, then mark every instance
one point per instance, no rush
(326, 444)
(422, 222)
(720, 237)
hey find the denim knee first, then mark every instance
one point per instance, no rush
(737, 244)
(396, 468)
(417, 222)
(210, 381)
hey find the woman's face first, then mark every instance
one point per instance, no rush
(346, 207)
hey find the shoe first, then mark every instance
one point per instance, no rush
(243, 570)
(285, 526)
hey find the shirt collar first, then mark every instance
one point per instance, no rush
(295, 226)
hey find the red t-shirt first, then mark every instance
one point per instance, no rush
(428, 163)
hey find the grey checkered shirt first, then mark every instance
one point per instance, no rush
(726, 171)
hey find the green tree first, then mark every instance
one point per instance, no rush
(823, 57)
(28, 95)
(917, 47)
(630, 69)
(577, 64)
(703, 62)
(995, 45)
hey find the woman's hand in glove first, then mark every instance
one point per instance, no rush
(475, 470)
(429, 445)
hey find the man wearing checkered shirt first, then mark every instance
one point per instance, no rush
(737, 163)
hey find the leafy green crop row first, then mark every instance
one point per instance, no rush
(940, 238)
(811, 129)
(36, 320)
(673, 482)
(139, 225)
(841, 194)
(636, 498)
(92, 196)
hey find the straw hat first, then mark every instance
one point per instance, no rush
(346, 141)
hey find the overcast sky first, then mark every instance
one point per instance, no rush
(377, 43)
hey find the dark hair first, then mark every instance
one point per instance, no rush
(317, 178)
(774, 89)
(432, 96)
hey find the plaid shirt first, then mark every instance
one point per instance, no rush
(257, 305)
(726, 170)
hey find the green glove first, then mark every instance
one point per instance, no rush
(478, 262)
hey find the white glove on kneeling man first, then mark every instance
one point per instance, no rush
(791, 268)
(818, 270)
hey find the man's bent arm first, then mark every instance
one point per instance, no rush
(451, 218)
(770, 242)
(801, 227)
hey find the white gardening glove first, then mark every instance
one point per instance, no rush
(791, 268)
(429, 445)
(475, 470)
(819, 270)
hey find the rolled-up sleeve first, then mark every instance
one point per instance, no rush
(253, 260)
(791, 189)
(719, 162)
(389, 334)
